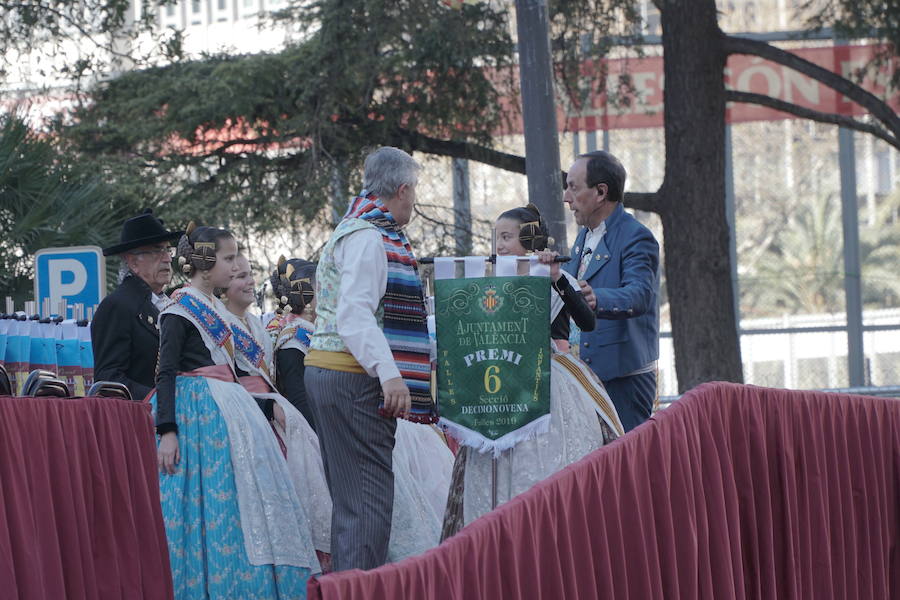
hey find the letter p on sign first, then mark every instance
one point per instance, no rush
(75, 274)
(68, 277)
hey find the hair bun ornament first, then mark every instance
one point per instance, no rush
(304, 291)
(186, 269)
(288, 308)
(182, 261)
(532, 236)
(204, 255)
(284, 300)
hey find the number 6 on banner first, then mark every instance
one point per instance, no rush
(491, 380)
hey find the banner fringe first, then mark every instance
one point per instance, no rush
(482, 444)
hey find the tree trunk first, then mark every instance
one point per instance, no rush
(692, 197)
(462, 207)
(539, 114)
(339, 191)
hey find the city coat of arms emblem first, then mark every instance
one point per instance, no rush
(490, 302)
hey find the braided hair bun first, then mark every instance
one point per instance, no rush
(293, 283)
(197, 248)
(533, 232)
(183, 253)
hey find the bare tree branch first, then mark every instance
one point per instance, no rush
(66, 19)
(813, 115)
(455, 149)
(878, 108)
(646, 201)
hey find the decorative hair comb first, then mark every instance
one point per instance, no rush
(204, 251)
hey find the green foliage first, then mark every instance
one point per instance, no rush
(249, 138)
(585, 31)
(802, 271)
(46, 203)
(35, 20)
(101, 28)
(855, 19)
(880, 254)
(267, 141)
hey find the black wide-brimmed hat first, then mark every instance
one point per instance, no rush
(142, 230)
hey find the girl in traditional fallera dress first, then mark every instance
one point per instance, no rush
(256, 372)
(236, 528)
(422, 463)
(293, 284)
(582, 416)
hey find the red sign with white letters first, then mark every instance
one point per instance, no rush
(743, 73)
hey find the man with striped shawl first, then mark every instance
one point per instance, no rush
(369, 356)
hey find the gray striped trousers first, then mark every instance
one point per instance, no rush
(357, 447)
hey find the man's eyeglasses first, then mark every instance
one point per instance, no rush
(158, 253)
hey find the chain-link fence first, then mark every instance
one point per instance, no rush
(790, 254)
(789, 243)
(439, 227)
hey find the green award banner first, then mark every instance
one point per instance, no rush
(493, 358)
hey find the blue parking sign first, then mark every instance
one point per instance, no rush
(76, 274)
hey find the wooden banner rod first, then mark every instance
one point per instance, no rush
(429, 260)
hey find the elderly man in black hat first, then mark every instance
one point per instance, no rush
(125, 330)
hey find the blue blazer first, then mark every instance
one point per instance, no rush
(624, 273)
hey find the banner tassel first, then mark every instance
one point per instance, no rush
(481, 444)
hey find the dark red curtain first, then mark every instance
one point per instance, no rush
(80, 516)
(732, 492)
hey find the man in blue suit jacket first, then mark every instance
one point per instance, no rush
(618, 258)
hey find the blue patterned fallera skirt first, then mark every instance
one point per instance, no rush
(200, 509)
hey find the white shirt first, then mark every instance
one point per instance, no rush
(593, 237)
(591, 240)
(362, 262)
(160, 301)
